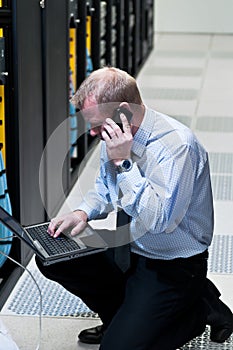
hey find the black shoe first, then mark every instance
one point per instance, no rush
(222, 327)
(221, 323)
(220, 335)
(219, 316)
(92, 335)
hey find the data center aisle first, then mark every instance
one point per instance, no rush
(189, 77)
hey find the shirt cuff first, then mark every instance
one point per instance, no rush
(130, 180)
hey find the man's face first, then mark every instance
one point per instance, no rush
(93, 116)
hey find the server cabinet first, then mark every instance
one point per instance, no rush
(40, 58)
(120, 28)
(80, 65)
(98, 44)
(146, 9)
(136, 37)
(26, 123)
(129, 39)
(122, 33)
(55, 53)
(140, 29)
(23, 122)
(36, 104)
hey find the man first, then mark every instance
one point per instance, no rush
(154, 170)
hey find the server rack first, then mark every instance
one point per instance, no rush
(5, 23)
(98, 42)
(146, 29)
(81, 26)
(129, 36)
(45, 43)
(36, 101)
(122, 33)
(120, 28)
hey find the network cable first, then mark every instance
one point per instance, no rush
(4, 241)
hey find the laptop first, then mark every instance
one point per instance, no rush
(51, 250)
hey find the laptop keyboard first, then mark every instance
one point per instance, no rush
(53, 246)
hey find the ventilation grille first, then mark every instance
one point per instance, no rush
(170, 94)
(56, 301)
(222, 186)
(221, 163)
(221, 254)
(222, 54)
(215, 124)
(203, 343)
(174, 71)
(180, 54)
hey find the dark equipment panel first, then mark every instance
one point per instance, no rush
(35, 72)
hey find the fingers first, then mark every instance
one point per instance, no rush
(62, 228)
(75, 222)
(125, 123)
(113, 131)
(57, 226)
(54, 223)
(78, 228)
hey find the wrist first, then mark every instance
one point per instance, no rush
(120, 160)
(81, 214)
(124, 165)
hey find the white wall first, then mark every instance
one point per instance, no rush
(194, 16)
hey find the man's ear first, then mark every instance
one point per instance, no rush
(125, 105)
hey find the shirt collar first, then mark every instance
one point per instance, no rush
(143, 133)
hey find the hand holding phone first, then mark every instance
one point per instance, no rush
(116, 116)
(118, 141)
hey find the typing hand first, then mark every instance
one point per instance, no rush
(74, 221)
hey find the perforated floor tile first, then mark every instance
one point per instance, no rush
(174, 71)
(222, 186)
(170, 94)
(180, 53)
(221, 162)
(215, 124)
(56, 301)
(203, 342)
(222, 54)
(221, 254)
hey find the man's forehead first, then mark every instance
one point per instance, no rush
(91, 109)
(91, 114)
(89, 106)
(90, 101)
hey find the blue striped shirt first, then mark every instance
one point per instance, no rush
(167, 193)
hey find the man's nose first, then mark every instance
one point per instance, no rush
(95, 132)
(92, 132)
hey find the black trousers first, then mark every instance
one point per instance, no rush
(156, 305)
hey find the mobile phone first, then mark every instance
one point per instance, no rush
(116, 116)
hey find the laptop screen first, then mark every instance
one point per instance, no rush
(13, 226)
